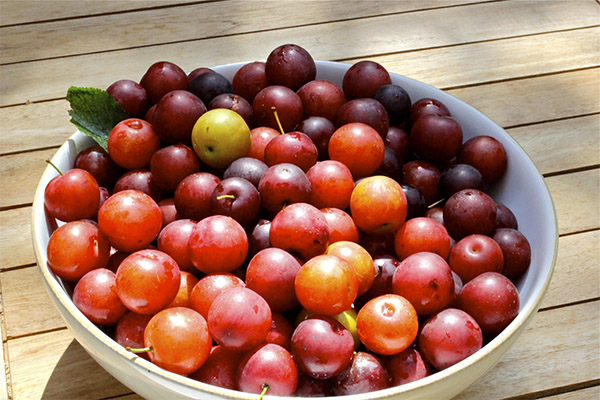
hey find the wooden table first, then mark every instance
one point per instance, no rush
(532, 66)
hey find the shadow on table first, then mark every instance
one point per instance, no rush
(78, 376)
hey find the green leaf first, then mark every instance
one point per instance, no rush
(94, 112)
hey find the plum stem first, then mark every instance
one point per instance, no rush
(436, 203)
(264, 391)
(55, 167)
(226, 196)
(277, 119)
(139, 350)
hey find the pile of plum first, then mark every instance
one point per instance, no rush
(282, 234)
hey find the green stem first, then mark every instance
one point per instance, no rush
(277, 119)
(264, 391)
(55, 167)
(142, 350)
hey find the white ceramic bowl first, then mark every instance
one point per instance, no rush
(522, 189)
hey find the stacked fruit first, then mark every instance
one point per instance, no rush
(281, 233)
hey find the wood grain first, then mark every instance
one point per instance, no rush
(54, 366)
(16, 247)
(36, 81)
(29, 11)
(27, 306)
(89, 35)
(576, 267)
(541, 349)
(496, 60)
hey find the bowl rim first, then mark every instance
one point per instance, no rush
(505, 337)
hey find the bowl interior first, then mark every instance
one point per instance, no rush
(522, 189)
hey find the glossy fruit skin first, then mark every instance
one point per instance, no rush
(76, 248)
(175, 116)
(233, 102)
(220, 136)
(459, 177)
(492, 300)
(287, 103)
(270, 365)
(319, 129)
(179, 340)
(281, 331)
(486, 154)
(290, 65)
(396, 101)
(449, 337)
(218, 244)
(271, 273)
(282, 185)
(97, 162)
(294, 148)
(406, 366)
(209, 85)
(326, 285)
(359, 147)
(239, 318)
(359, 259)
(192, 195)
(331, 185)
(131, 95)
(378, 205)
(130, 219)
(161, 78)
(516, 251)
(147, 281)
(424, 279)
(427, 106)
(300, 229)
(421, 234)
(187, 283)
(72, 196)
(141, 180)
(322, 347)
(132, 143)
(245, 204)
(95, 295)
(424, 176)
(469, 211)
(209, 287)
(341, 225)
(259, 138)
(220, 368)
(321, 98)
(173, 239)
(249, 80)
(248, 168)
(367, 111)
(436, 138)
(365, 374)
(387, 324)
(363, 79)
(129, 331)
(474, 255)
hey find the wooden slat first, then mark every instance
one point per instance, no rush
(544, 98)
(27, 305)
(556, 366)
(48, 120)
(346, 39)
(54, 366)
(80, 36)
(28, 167)
(576, 267)
(496, 60)
(16, 247)
(31, 11)
(576, 199)
(559, 152)
(582, 394)
(570, 93)
(541, 348)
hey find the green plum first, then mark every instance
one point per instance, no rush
(220, 136)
